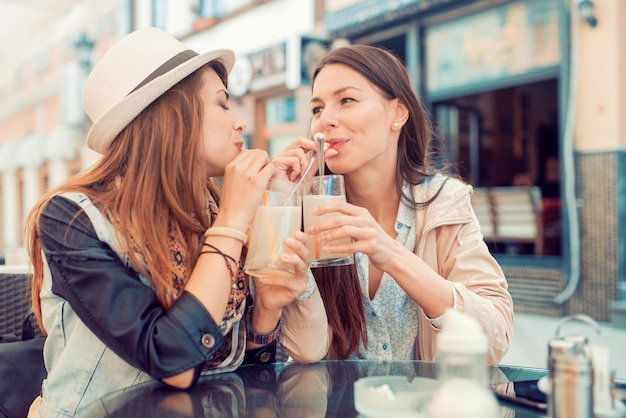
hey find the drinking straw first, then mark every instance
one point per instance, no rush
(272, 242)
(319, 141)
(318, 250)
(301, 179)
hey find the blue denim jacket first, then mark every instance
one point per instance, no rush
(82, 368)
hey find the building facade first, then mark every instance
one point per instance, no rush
(523, 93)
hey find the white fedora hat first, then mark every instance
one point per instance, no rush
(132, 74)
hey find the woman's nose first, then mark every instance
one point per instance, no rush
(239, 124)
(327, 119)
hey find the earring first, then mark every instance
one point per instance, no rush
(395, 124)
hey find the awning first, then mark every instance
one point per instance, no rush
(365, 15)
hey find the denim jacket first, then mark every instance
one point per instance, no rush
(97, 345)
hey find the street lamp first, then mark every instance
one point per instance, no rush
(585, 7)
(83, 46)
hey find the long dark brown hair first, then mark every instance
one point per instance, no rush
(339, 287)
(151, 185)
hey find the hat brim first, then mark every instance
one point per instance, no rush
(106, 129)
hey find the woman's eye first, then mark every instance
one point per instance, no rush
(316, 110)
(224, 105)
(347, 100)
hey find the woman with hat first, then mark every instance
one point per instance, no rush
(137, 275)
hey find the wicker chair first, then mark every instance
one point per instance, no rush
(21, 355)
(15, 306)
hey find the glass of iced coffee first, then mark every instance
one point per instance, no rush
(318, 190)
(279, 217)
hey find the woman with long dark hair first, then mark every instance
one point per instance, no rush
(418, 247)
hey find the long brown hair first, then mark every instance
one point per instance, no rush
(340, 288)
(151, 185)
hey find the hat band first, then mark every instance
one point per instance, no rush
(168, 65)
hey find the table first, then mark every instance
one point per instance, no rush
(323, 389)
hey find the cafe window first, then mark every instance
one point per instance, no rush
(160, 13)
(280, 110)
(171, 17)
(217, 8)
(506, 140)
(207, 8)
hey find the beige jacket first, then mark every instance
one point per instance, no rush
(305, 334)
(451, 243)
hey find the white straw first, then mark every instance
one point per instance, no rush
(301, 179)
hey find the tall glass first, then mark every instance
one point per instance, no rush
(278, 218)
(318, 190)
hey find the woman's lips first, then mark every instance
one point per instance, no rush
(336, 144)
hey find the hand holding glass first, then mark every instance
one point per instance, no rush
(318, 190)
(278, 218)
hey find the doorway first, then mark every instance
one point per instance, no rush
(509, 137)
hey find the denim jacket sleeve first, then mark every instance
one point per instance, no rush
(120, 310)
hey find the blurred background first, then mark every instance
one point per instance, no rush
(529, 96)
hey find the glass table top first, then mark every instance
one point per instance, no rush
(323, 389)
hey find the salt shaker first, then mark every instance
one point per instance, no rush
(462, 371)
(571, 375)
(462, 349)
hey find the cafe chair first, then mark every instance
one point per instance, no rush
(16, 319)
(21, 348)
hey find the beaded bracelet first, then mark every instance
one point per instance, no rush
(262, 339)
(222, 231)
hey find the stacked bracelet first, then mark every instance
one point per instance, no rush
(262, 339)
(222, 231)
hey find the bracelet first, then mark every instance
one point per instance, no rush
(222, 231)
(262, 339)
(217, 251)
(225, 256)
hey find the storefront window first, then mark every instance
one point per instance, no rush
(280, 110)
(505, 143)
(207, 8)
(507, 41)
